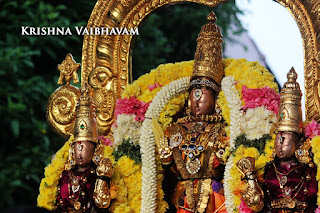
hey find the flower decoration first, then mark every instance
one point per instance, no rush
(127, 127)
(129, 106)
(315, 144)
(261, 97)
(312, 129)
(257, 122)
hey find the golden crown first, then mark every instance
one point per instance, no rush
(290, 115)
(85, 128)
(208, 56)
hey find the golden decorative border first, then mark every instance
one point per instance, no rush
(113, 52)
(307, 17)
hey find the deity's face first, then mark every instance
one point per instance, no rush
(83, 153)
(285, 145)
(202, 101)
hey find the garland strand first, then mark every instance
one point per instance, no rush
(147, 143)
(234, 104)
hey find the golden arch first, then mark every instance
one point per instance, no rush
(113, 52)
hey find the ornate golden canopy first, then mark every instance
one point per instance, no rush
(106, 60)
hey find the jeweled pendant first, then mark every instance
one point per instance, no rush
(193, 166)
(75, 188)
(283, 180)
(287, 192)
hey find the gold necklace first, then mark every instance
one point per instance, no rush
(287, 191)
(74, 187)
(284, 177)
(203, 118)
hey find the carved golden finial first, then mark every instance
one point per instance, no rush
(211, 17)
(68, 70)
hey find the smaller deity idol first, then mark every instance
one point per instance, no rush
(84, 185)
(194, 145)
(290, 178)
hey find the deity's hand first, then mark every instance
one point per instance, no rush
(101, 194)
(253, 194)
(164, 150)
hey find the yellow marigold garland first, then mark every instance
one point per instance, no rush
(162, 75)
(127, 179)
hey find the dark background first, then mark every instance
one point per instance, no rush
(28, 75)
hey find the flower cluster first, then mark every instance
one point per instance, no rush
(127, 127)
(127, 179)
(312, 129)
(257, 122)
(261, 97)
(132, 106)
(315, 143)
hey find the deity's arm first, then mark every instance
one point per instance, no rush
(102, 195)
(253, 196)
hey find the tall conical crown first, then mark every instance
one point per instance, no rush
(290, 115)
(208, 56)
(85, 128)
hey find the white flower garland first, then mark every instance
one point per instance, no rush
(229, 196)
(234, 104)
(147, 143)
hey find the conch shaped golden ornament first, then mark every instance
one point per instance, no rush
(290, 116)
(253, 195)
(61, 107)
(208, 56)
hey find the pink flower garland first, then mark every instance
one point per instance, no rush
(261, 97)
(312, 129)
(131, 106)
